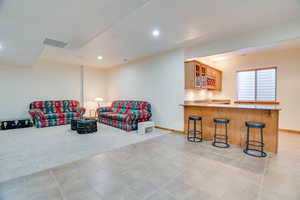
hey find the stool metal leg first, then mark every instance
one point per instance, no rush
(195, 128)
(201, 133)
(262, 144)
(188, 133)
(247, 141)
(226, 133)
(215, 136)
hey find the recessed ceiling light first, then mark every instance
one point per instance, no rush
(99, 57)
(155, 33)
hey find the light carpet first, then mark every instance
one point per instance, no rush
(30, 150)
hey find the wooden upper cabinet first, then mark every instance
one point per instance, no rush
(190, 73)
(201, 76)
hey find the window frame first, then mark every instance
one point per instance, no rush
(255, 101)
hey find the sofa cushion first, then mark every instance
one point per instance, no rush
(114, 116)
(121, 111)
(59, 106)
(124, 106)
(67, 115)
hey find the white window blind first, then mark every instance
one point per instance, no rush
(246, 86)
(266, 85)
(257, 85)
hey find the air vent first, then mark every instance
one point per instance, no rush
(55, 43)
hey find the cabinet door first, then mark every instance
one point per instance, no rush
(219, 80)
(198, 77)
(210, 78)
(189, 68)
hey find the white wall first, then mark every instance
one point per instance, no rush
(288, 64)
(159, 80)
(95, 85)
(45, 81)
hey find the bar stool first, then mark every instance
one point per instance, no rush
(256, 143)
(218, 137)
(194, 138)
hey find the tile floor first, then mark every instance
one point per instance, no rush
(168, 168)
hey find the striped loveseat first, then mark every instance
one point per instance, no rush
(53, 113)
(125, 114)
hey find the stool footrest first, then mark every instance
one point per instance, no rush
(220, 144)
(192, 131)
(256, 143)
(194, 139)
(221, 137)
(262, 153)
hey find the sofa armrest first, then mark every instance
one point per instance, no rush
(140, 115)
(81, 110)
(103, 109)
(36, 114)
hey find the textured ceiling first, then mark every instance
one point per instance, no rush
(118, 29)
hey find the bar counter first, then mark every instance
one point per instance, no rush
(237, 114)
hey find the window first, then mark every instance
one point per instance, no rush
(257, 85)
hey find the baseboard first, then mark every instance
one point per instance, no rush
(289, 130)
(168, 129)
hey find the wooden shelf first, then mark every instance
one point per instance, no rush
(201, 76)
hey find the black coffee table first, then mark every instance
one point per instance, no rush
(84, 126)
(74, 124)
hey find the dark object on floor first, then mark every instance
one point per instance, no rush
(14, 124)
(194, 131)
(259, 144)
(86, 125)
(74, 124)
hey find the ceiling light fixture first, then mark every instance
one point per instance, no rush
(155, 33)
(99, 57)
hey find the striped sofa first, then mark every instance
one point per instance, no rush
(54, 113)
(125, 114)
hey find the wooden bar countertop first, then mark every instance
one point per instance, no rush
(240, 106)
(238, 114)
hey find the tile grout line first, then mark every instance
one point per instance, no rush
(90, 185)
(263, 178)
(58, 185)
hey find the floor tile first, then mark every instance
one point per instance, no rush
(161, 195)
